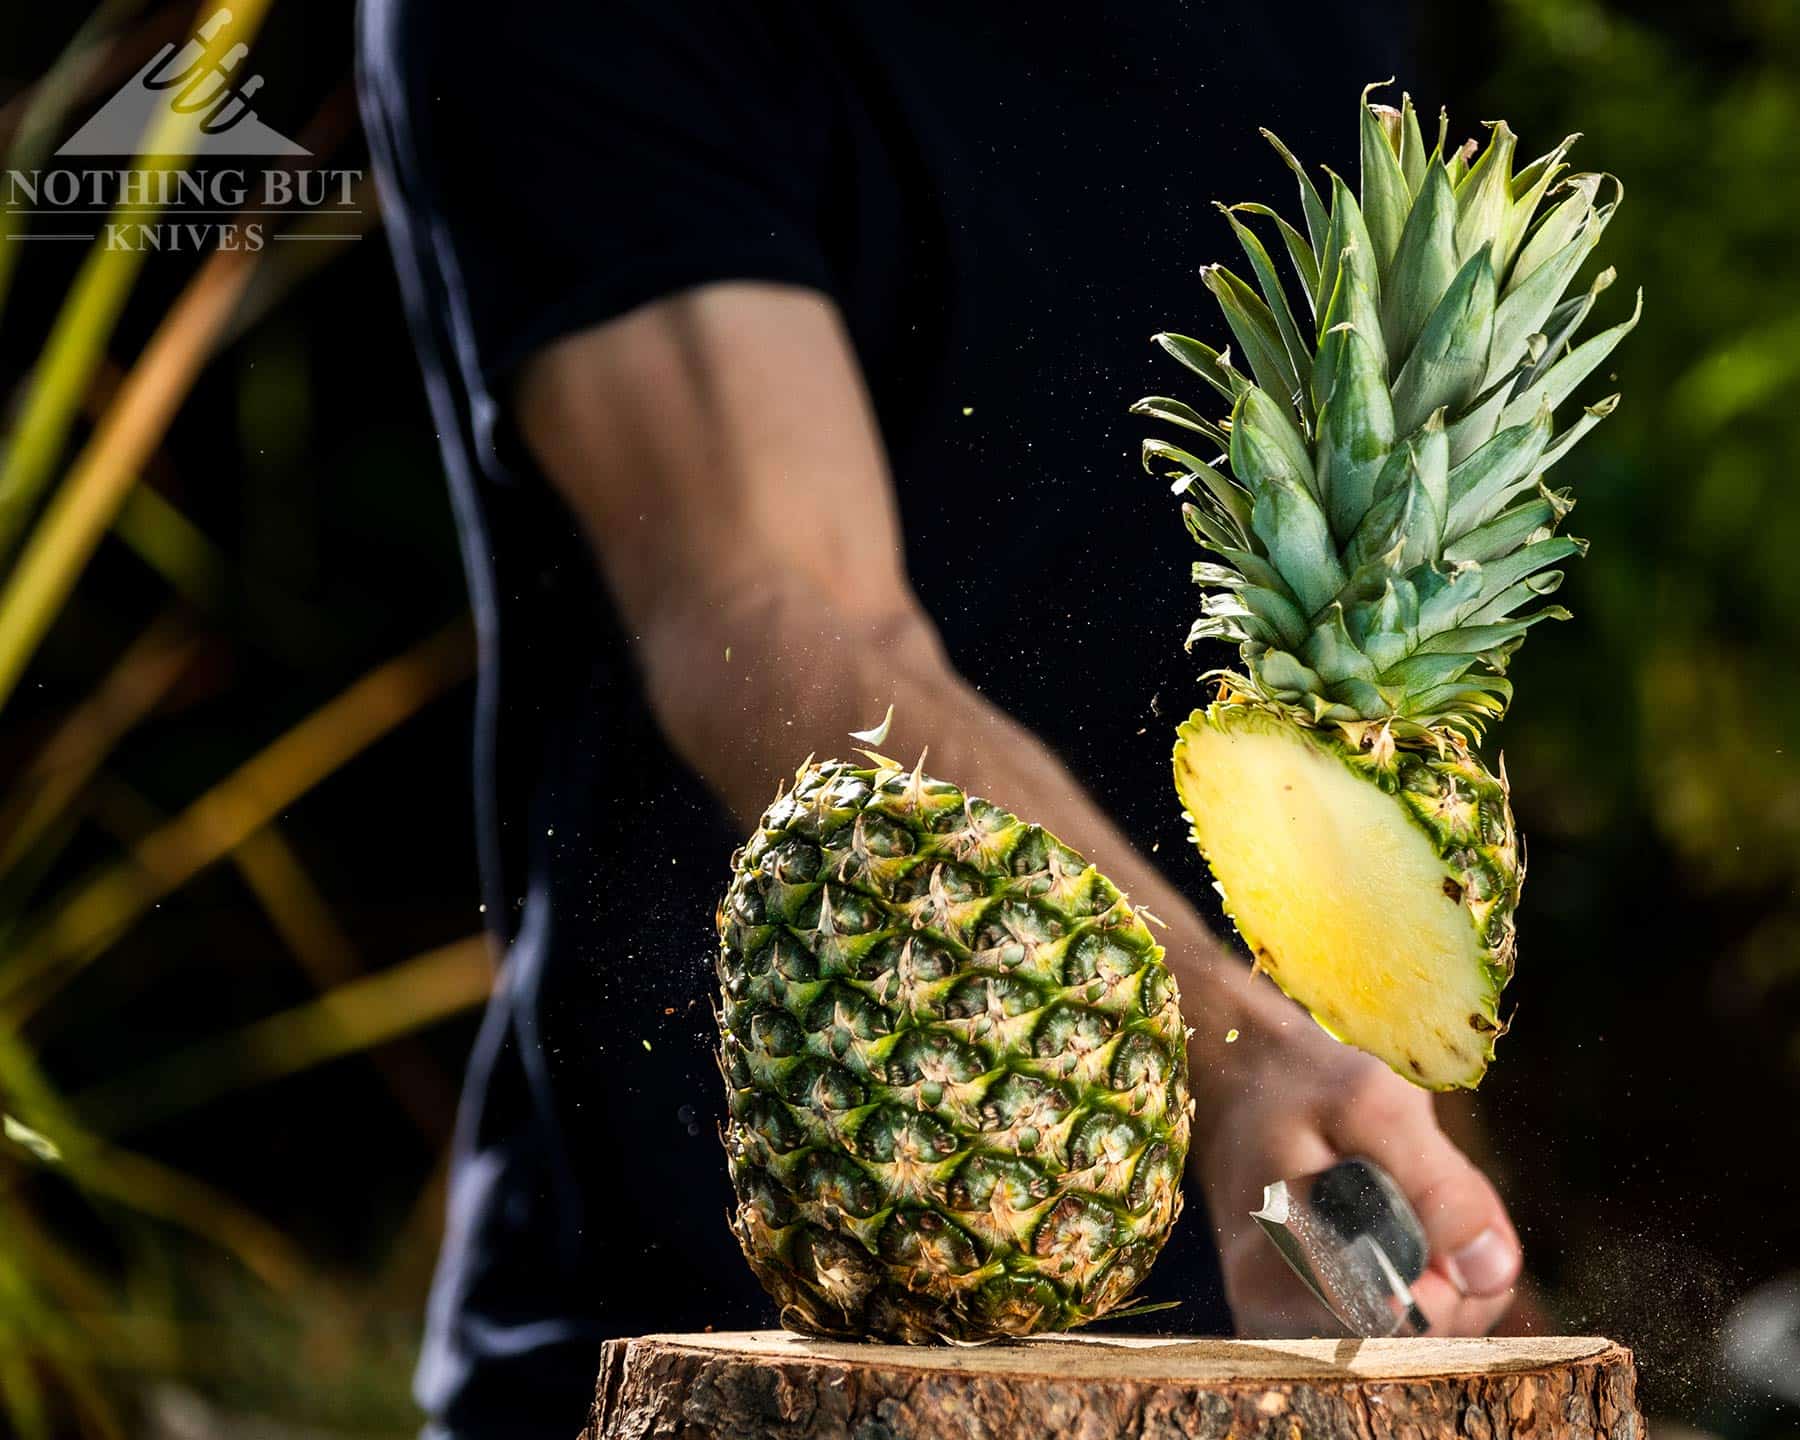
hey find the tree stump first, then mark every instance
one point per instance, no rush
(769, 1385)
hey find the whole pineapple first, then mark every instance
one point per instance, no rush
(956, 1066)
(1379, 506)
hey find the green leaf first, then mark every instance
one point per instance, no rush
(1257, 570)
(1306, 264)
(1309, 196)
(1440, 609)
(1210, 529)
(1332, 654)
(1254, 326)
(1381, 538)
(1554, 385)
(1285, 676)
(1528, 189)
(1533, 587)
(1217, 627)
(1484, 194)
(1388, 625)
(1385, 196)
(1348, 247)
(1532, 520)
(1299, 353)
(1490, 694)
(1483, 483)
(1206, 362)
(1565, 320)
(1445, 368)
(1222, 576)
(1500, 576)
(1561, 224)
(1483, 639)
(1263, 439)
(1276, 611)
(1292, 527)
(1424, 265)
(1423, 671)
(1412, 146)
(1178, 465)
(1526, 307)
(1590, 417)
(1356, 434)
(1176, 412)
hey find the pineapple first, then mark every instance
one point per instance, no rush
(955, 1065)
(1383, 529)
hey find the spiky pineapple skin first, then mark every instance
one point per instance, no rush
(1462, 809)
(955, 1064)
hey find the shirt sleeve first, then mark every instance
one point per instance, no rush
(590, 156)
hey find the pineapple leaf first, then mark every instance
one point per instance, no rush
(1306, 264)
(1255, 328)
(1560, 225)
(1314, 208)
(1533, 587)
(1553, 385)
(1445, 368)
(1299, 354)
(1331, 652)
(1263, 440)
(1277, 611)
(1224, 493)
(1531, 520)
(1356, 433)
(1529, 187)
(1292, 528)
(1413, 164)
(1385, 196)
(1209, 529)
(1217, 627)
(1482, 483)
(1567, 441)
(1424, 264)
(1206, 362)
(1526, 307)
(1483, 196)
(1177, 412)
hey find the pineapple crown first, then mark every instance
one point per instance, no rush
(1378, 496)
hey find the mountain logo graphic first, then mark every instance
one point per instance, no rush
(193, 98)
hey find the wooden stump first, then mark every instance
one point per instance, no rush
(769, 1385)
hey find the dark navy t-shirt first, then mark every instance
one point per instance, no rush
(1005, 201)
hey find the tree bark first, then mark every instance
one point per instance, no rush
(769, 1385)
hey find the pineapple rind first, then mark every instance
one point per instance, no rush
(955, 1064)
(1462, 811)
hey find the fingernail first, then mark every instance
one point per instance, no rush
(1487, 1265)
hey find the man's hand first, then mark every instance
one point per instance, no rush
(1286, 1099)
(720, 451)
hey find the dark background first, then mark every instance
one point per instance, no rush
(1644, 1110)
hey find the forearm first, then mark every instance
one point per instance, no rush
(799, 677)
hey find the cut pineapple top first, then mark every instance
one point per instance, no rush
(1377, 495)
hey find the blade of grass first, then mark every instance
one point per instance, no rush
(85, 324)
(102, 907)
(134, 686)
(60, 88)
(108, 465)
(358, 1016)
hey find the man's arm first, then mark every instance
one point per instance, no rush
(719, 450)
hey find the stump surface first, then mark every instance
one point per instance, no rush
(770, 1385)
